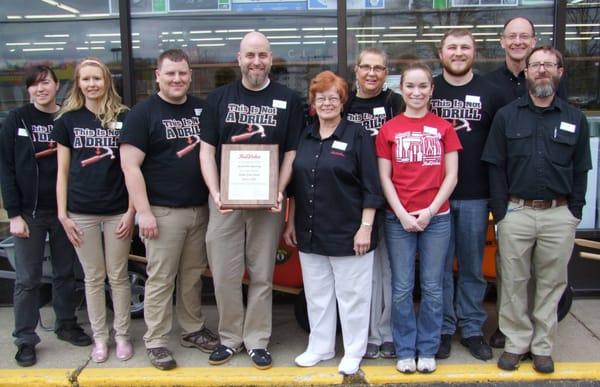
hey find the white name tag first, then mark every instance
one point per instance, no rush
(339, 145)
(472, 98)
(379, 111)
(429, 130)
(115, 125)
(198, 111)
(22, 132)
(277, 103)
(567, 127)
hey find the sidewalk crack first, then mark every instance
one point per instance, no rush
(76, 372)
(594, 335)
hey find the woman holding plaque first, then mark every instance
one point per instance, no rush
(93, 205)
(331, 220)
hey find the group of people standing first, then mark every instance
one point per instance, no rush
(376, 178)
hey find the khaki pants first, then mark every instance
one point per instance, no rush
(103, 255)
(538, 241)
(243, 239)
(179, 253)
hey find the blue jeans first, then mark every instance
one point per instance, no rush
(29, 255)
(417, 336)
(465, 304)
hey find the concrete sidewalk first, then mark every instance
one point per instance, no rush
(577, 354)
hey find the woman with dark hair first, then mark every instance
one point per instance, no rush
(28, 180)
(331, 220)
(93, 205)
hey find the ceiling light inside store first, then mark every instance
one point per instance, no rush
(367, 41)
(61, 6)
(204, 39)
(14, 17)
(103, 35)
(47, 43)
(398, 35)
(284, 37)
(210, 44)
(315, 42)
(427, 41)
(62, 16)
(584, 25)
(98, 41)
(97, 48)
(57, 36)
(365, 28)
(580, 38)
(402, 27)
(489, 26)
(277, 29)
(319, 36)
(367, 35)
(285, 43)
(18, 44)
(82, 48)
(201, 32)
(467, 26)
(38, 49)
(94, 15)
(396, 41)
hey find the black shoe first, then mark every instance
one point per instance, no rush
(25, 356)
(74, 334)
(261, 358)
(497, 340)
(509, 361)
(543, 364)
(222, 354)
(478, 348)
(445, 347)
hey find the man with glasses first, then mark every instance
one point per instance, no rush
(469, 102)
(539, 154)
(372, 105)
(258, 111)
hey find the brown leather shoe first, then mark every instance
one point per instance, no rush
(543, 364)
(509, 361)
(497, 340)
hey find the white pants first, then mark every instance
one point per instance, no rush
(380, 328)
(347, 279)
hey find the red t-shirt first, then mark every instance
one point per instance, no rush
(416, 148)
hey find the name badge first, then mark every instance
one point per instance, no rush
(472, 98)
(198, 111)
(115, 125)
(378, 111)
(430, 130)
(339, 145)
(277, 103)
(567, 127)
(22, 132)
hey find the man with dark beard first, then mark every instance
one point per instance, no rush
(539, 154)
(469, 102)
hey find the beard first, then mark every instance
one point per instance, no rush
(458, 72)
(543, 88)
(256, 79)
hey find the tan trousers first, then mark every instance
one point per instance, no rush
(243, 239)
(538, 241)
(179, 253)
(103, 255)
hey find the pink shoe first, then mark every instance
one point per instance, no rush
(124, 349)
(100, 352)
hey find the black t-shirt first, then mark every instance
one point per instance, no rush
(40, 125)
(470, 109)
(169, 135)
(96, 182)
(240, 116)
(371, 113)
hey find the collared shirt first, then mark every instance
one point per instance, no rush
(538, 153)
(515, 87)
(334, 179)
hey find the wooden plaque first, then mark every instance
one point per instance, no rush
(249, 175)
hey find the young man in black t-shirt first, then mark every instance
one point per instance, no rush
(469, 102)
(28, 181)
(258, 111)
(160, 147)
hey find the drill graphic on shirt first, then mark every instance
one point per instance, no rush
(458, 112)
(417, 147)
(41, 134)
(103, 140)
(256, 118)
(187, 128)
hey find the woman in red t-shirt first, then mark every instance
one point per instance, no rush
(418, 165)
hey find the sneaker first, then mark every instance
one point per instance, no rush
(372, 351)
(261, 358)
(124, 349)
(161, 358)
(478, 348)
(204, 340)
(25, 356)
(349, 365)
(426, 365)
(387, 350)
(509, 361)
(406, 366)
(222, 354)
(497, 340)
(445, 347)
(543, 364)
(308, 359)
(73, 333)
(99, 352)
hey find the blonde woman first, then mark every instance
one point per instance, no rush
(93, 205)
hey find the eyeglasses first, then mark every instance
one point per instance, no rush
(547, 65)
(520, 36)
(331, 100)
(368, 68)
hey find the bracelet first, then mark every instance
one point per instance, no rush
(430, 214)
(366, 224)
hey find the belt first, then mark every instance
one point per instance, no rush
(540, 204)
